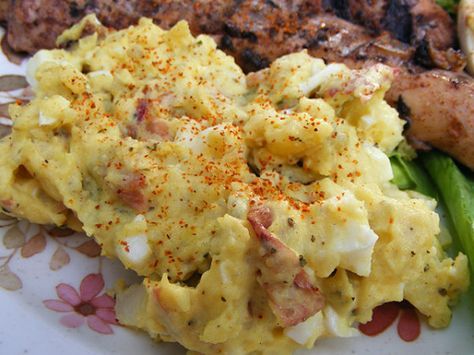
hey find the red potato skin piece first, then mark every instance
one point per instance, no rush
(131, 192)
(159, 127)
(144, 116)
(292, 296)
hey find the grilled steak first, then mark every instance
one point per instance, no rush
(35, 24)
(413, 35)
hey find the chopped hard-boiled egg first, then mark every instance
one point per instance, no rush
(134, 251)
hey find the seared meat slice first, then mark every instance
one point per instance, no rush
(325, 36)
(434, 36)
(439, 106)
(420, 23)
(34, 24)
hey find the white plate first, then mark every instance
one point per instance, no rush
(27, 326)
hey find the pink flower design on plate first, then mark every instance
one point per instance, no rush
(85, 305)
(408, 328)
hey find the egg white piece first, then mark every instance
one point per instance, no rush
(134, 250)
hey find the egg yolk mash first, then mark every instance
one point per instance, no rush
(258, 208)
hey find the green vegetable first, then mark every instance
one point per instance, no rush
(449, 5)
(408, 175)
(457, 191)
(400, 175)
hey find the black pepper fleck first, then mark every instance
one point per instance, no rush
(302, 261)
(291, 222)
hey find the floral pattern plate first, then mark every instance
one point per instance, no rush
(54, 295)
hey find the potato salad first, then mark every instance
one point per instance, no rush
(258, 208)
